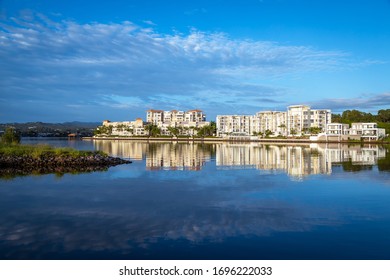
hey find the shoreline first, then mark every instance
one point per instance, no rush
(28, 159)
(224, 140)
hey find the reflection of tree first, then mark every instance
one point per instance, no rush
(350, 167)
(384, 163)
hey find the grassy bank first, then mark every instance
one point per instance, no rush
(40, 150)
(16, 160)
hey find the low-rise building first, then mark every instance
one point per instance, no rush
(367, 131)
(357, 131)
(337, 129)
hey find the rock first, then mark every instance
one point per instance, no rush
(24, 165)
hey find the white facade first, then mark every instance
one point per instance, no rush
(368, 131)
(337, 129)
(273, 121)
(364, 131)
(234, 125)
(187, 122)
(127, 128)
(296, 121)
(300, 118)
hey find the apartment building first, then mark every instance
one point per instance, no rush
(126, 128)
(155, 116)
(368, 131)
(301, 118)
(158, 116)
(297, 120)
(337, 129)
(234, 125)
(357, 131)
(273, 121)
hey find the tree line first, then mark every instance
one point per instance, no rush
(382, 118)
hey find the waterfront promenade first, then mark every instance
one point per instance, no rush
(232, 139)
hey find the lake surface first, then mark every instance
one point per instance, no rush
(204, 201)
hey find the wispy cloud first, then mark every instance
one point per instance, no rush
(363, 102)
(65, 62)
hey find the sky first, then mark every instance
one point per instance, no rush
(96, 60)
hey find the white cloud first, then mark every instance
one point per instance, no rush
(369, 102)
(67, 61)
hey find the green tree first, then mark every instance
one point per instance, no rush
(315, 130)
(293, 131)
(384, 115)
(10, 136)
(268, 133)
(208, 130)
(173, 131)
(103, 130)
(152, 130)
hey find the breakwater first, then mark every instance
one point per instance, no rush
(44, 164)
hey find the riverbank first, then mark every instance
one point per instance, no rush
(43, 159)
(234, 140)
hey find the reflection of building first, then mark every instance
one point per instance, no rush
(366, 155)
(132, 150)
(165, 156)
(295, 160)
(176, 156)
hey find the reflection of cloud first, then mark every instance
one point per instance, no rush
(114, 213)
(90, 225)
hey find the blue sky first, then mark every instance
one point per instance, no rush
(95, 60)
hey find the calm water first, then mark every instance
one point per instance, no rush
(204, 201)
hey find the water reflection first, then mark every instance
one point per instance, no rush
(227, 209)
(295, 160)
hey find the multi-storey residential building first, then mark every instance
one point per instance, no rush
(155, 116)
(337, 128)
(273, 121)
(127, 128)
(234, 125)
(187, 122)
(368, 131)
(296, 121)
(301, 118)
(358, 131)
(320, 118)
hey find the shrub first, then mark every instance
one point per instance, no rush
(10, 136)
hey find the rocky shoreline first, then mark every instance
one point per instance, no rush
(44, 164)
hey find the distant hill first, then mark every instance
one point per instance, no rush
(33, 129)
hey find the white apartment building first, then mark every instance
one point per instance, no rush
(300, 118)
(365, 131)
(296, 121)
(127, 128)
(368, 131)
(186, 121)
(234, 125)
(337, 129)
(155, 116)
(274, 121)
